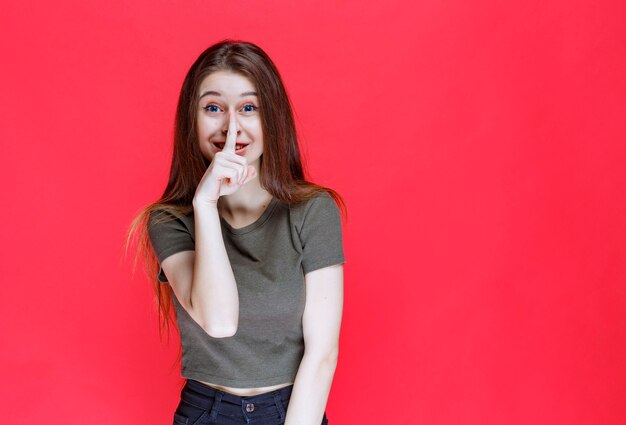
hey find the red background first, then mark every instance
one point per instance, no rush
(480, 147)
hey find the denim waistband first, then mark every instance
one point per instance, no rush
(247, 407)
(210, 392)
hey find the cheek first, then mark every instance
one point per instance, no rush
(207, 126)
(256, 129)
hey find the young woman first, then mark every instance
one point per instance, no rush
(248, 251)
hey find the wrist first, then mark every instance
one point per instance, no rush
(204, 203)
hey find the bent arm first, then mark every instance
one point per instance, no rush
(321, 323)
(203, 281)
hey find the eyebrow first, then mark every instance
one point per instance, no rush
(214, 93)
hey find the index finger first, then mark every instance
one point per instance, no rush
(231, 137)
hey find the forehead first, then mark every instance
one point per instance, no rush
(226, 83)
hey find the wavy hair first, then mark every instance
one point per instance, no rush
(281, 172)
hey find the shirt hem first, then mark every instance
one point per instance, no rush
(218, 380)
(327, 262)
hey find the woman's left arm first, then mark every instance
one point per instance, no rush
(321, 322)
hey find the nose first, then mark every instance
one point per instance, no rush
(226, 123)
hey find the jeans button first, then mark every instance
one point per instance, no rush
(249, 407)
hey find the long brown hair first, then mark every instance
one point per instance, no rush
(281, 172)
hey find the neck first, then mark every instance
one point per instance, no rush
(249, 198)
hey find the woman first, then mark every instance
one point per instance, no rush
(248, 251)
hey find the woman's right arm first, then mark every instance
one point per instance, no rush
(203, 280)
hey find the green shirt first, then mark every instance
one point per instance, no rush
(269, 259)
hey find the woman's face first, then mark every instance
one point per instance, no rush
(221, 94)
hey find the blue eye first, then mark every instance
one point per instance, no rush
(211, 108)
(251, 106)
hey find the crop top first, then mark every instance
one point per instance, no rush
(269, 259)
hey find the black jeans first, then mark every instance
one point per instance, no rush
(203, 405)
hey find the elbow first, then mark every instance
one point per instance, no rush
(220, 331)
(326, 359)
(215, 327)
(331, 358)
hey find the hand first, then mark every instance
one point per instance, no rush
(227, 172)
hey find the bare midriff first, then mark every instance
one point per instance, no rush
(246, 392)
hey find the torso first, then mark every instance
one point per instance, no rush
(282, 321)
(246, 392)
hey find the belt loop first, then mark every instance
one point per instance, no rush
(279, 406)
(216, 405)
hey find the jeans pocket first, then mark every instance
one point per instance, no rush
(180, 419)
(189, 414)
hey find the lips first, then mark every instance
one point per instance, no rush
(239, 146)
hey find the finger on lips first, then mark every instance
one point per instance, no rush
(229, 159)
(231, 137)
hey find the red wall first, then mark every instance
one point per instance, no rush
(480, 147)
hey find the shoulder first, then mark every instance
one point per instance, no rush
(165, 221)
(319, 228)
(170, 232)
(321, 209)
(321, 200)
(162, 216)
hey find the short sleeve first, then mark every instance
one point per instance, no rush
(320, 234)
(168, 235)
